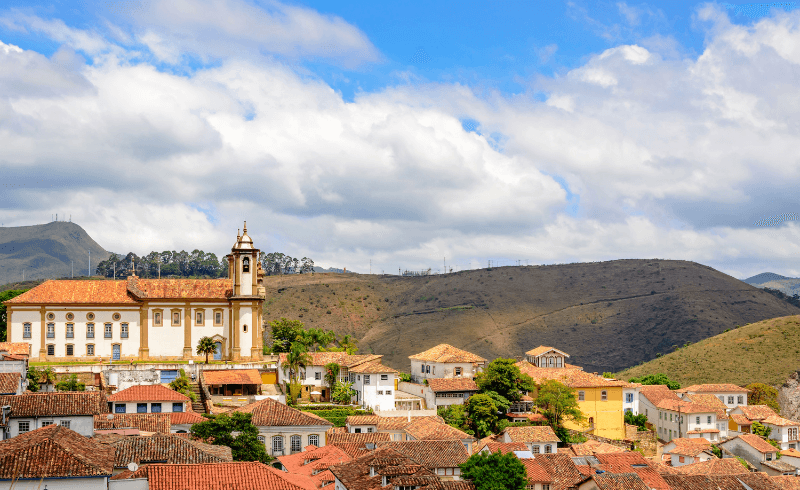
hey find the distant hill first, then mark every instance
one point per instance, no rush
(46, 251)
(766, 352)
(607, 315)
(788, 285)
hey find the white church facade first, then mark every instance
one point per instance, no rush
(141, 319)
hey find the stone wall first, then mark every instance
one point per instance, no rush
(789, 397)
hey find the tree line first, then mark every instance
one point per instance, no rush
(195, 264)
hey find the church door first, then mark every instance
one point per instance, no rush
(115, 352)
(217, 351)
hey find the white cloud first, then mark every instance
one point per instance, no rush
(81, 40)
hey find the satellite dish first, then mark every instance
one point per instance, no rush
(110, 417)
(133, 466)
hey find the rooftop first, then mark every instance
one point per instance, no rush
(531, 434)
(655, 394)
(268, 412)
(241, 475)
(446, 353)
(756, 412)
(147, 393)
(372, 367)
(433, 429)
(166, 448)
(439, 385)
(232, 377)
(714, 388)
(538, 351)
(148, 422)
(618, 481)
(9, 383)
(570, 376)
(430, 454)
(754, 441)
(16, 348)
(55, 404)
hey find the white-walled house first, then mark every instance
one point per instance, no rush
(285, 430)
(445, 361)
(441, 392)
(649, 398)
(148, 399)
(547, 357)
(72, 410)
(630, 398)
(539, 439)
(742, 417)
(683, 451)
(686, 419)
(714, 403)
(729, 394)
(751, 448)
(374, 384)
(784, 431)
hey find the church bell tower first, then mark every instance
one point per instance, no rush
(248, 296)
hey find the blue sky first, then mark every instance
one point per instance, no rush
(407, 132)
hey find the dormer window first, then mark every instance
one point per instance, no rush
(372, 471)
(246, 264)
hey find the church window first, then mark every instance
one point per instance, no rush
(217, 318)
(123, 331)
(245, 328)
(51, 330)
(198, 317)
(90, 316)
(26, 330)
(51, 350)
(70, 316)
(70, 350)
(89, 349)
(176, 318)
(90, 330)
(70, 330)
(51, 316)
(157, 321)
(116, 317)
(246, 264)
(107, 330)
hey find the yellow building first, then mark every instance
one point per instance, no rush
(600, 399)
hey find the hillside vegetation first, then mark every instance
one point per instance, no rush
(46, 251)
(788, 285)
(607, 315)
(766, 352)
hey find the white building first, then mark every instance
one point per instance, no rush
(649, 398)
(630, 398)
(445, 361)
(729, 394)
(784, 431)
(72, 410)
(752, 449)
(683, 451)
(374, 384)
(686, 419)
(547, 357)
(145, 318)
(441, 392)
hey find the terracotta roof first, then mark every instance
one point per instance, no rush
(779, 466)
(502, 447)
(232, 377)
(360, 437)
(714, 388)
(183, 418)
(341, 358)
(69, 291)
(754, 441)
(400, 423)
(362, 420)
(619, 481)
(433, 429)
(355, 474)
(353, 449)
(754, 481)
(703, 431)
(55, 404)
(756, 412)
(185, 288)
(572, 377)
(632, 462)
(167, 448)
(431, 454)
(715, 466)
(148, 393)
(314, 462)
(439, 385)
(531, 434)
(711, 401)
(779, 421)
(542, 349)
(446, 353)
(16, 348)
(241, 475)
(794, 453)
(148, 422)
(268, 412)
(562, 470)
(531, 416)
(655, 394)
(786, 482)
(372, 367)
(535, 472)
(685, 407)
(590, 448)
(9, 383)
(741, 419)
(52, 452)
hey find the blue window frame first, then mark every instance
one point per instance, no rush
(141, 408)
(177, 407)
(155, 408)
(119, 408)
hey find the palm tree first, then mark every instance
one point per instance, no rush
(349, 344)
(331, 373)
(206, 346)
(296, 358)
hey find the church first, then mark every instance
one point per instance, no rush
(145, 319)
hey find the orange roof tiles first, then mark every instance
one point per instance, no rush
(574, 378)
(232, 377)
(779, 421)
(438, 385)
(362, 420)
(756, 412)
(166, 448)
(312, 460)
(502, 447)
(53, 452)
(9, 383)
(69, 291)
(269, 412)
(757, 443)
(183, 418)
(16, 348)
(446, 353)
(711, 401)
(535, 472)
(714, 388)
(655, 394)
(542, 349)
(714, 466)
(741, 419)
(241, 475)
(147, 393)
(684, 407)
(360, 437)
(632, 462)
(590, 448)
(531, 434)
(431, 429)
(186, 288)
(372, 367)
(430, 454)
(786, 482)
(55, 404)
(148, 422)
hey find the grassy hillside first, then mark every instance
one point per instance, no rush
(767, 351)
(788, 285)
(607, 315)
(46, 251)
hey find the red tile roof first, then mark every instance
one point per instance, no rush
(69, 291)
(756, 412)
(741, 419)
(530, 434)
(542, 349)
(242, 475)
(786, 482)
(619, 481)
(55, 404)
(186, 288)
(590, 448)
(430, 454)
(535, 472)
(166, 448)
(714, 388)
(372, 367)
(439, 385)
(232, 377)
(362, 420)
(147, 393)
(53, 452)
(684, 407)
(314, 462)
(531, 416)
(446, 353)
(400, 423)
(715, 466)
(779, 421)
(433, 429)
(268, 412)
(572, 377)
(632, 462)
(9, 383)
(711, 401)
(340, 358)
(655, 394)
(148, 422)
(359, 437)
(502, 447)
(754, 481)
(401, 470)
(183, 418)
(562, 470)
(16, 348)
(756, 442)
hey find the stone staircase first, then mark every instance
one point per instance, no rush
(197, 405)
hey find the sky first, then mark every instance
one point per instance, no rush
(380, 136)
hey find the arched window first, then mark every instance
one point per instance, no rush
(296, 445)
(591, 421)
(277, 445)
(246, 264)
(245, 328)
(552, 362)
(313, 439)
(262, 440)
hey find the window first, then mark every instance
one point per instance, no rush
(317, 376)
(262, 440)
(313, 439)
(26, 330)
(458, 371)
(70, 316)
(357, 430)
(123, 331)
(70, 330)
(629, 410)
(369, 430)
(198, 318)
(218, 318)
(384, 377)
(176, 318)
(730, 400)
(434, 370)
(64, 424)
(89, 349)
(90, 330)
(659, 415)
(740, 399)
(90, 316)
(244, 328)
(70, 350)
(427, 369)
(157, 321)
(388, 392)
(277, 444)
(119, 408)
(177, 407)
(769, 456)
(155, 408)
(545, 486)
(141, 408)
(591, 421)
(51, 316)
(246, 264)
(581, 396)
(116, 317)
(45, 423)
(380, 392)
(23, 427)
(107, 330)
(352, 378)
(697, 420)
(366, 379)
(708, 419)
(670, 417)
(294, 442)
(51, 330)
(51, 350)
(603, 395)
(548, 449)
(628, 397)
(681, 459)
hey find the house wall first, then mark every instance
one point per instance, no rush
(286, 432)
(668, 429)
(633, 405)
(609, 420)
(441, 370)
(737, 447)
(128, 484)
(781, 435)
(82, 424)
(130, 407)
(96, 483)
(378, 394)
(421, 390)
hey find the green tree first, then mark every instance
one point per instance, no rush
(482, 413)
(331, 374)
(206, 346)
(70, 384)
(503, 377)
(456, 416)
(656, 379)
(496, 471)
(343, 392)
(349, 344)
(48, 376)
(557, 402)
(235, 431)
(5, 296)
(182, 385)
(285, 333)
(637, 420)
(34, 377)
(762, 394)
(760, 429)
(404, 377)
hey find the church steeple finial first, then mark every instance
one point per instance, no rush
(245, 227)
